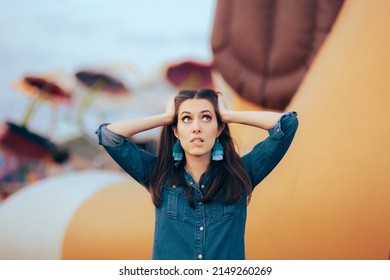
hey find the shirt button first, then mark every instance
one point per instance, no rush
(201, 228)
(200, 256)
(200, 202)
(202, 186)
(174, 186)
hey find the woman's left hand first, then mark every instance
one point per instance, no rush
(223, 111)
(260, 119)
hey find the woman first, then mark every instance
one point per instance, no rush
(198, 183)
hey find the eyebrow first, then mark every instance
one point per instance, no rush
(203, 111)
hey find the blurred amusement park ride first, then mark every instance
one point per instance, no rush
(92, 97)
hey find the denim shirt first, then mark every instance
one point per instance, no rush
(207, 231)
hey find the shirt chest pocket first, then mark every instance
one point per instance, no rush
(223, 212)
(174, 203)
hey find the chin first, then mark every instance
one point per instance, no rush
(199, 154)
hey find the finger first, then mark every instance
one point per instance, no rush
(221, 101)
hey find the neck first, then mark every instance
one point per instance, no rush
(196, 166)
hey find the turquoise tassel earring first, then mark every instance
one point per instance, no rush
(177, 151)
(217, 152)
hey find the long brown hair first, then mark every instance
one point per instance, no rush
(229, 175)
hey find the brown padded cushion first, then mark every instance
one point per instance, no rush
(263, 48)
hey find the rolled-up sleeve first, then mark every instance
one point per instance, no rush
(267, 154)
(136, 162)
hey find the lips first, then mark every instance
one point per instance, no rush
(197, 139)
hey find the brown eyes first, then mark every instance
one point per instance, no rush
(187, 119)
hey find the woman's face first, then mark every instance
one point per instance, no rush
(197, 127)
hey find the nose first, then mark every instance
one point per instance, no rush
(196, 126)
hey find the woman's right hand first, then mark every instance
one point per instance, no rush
(170, 108)
(129, 127)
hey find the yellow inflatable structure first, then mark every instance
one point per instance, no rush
(329, 198)
(81, 215)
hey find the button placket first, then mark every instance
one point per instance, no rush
(200, 216)
(200, 229)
